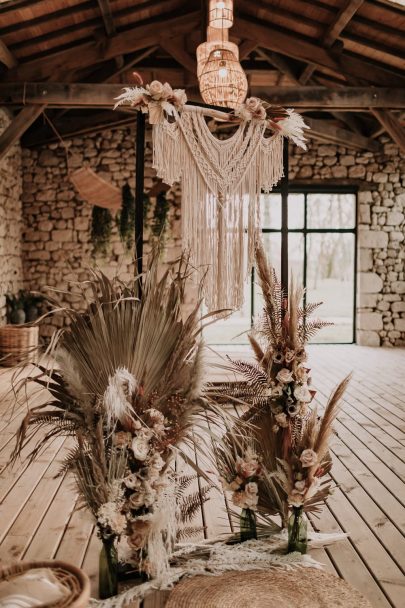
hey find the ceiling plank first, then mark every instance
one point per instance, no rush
(94, 95)
(89, 53)
(345, 14)
(291, 45)
(392, 125)
(320, 130)
(6, 56)
(18, 126)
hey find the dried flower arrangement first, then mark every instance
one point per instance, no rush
(288, 438)
(128, 390)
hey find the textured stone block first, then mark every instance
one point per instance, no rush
(398, 286)
(398, 307)
(377, 239)
(394, 218)
(370, 321)
(399, 324)
(370, 282)
(367, 338)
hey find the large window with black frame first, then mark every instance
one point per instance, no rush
(322, 256)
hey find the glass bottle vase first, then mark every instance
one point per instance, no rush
(108, 570)
(297, 531)
(247, 525)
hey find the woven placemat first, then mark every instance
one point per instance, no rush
(267, 589)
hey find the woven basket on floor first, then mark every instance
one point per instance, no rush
(74, 579)
(299, 588)
(17, 343)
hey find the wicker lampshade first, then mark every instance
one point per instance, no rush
(220, 14)
(205, 49)
(223, 81)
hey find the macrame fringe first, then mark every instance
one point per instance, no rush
(250, 555)
(222, 181)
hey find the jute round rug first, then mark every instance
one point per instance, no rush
(267, 589)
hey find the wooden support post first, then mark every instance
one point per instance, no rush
(139, 187)
(284, 218)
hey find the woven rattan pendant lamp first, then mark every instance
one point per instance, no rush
(222, 79)
(220, 14)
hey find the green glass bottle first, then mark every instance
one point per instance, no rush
(108, 570)
(247, 525)
(297, 531)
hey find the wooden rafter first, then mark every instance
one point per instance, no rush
(18, 126)
(289, 44)
(345, 14)
(320, 130)
(105, 10)
(245, 48)
(95, 95)
(176, 48)
(6, 56)
(392, 125)
(91, 53)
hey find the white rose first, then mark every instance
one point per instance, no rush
(156, 462)
(136, 500)
(281, 419)
(296, 499)
(299, 487)
(140, 447)
(251, 488)
(132, 481)
(308, 458)
(277, 391)
(259, 114)
(180, 97)
(301, 393)
(284, 376)
(167, 91)
(155, 89)
(253, 104)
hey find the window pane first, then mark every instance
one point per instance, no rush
(330, 279)
(270, 210)
(296, 211)
(272, 244)
(331, 210)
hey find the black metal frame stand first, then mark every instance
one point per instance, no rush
(139, 196)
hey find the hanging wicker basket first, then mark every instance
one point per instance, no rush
(96, 190)
(18, 343)
(74, 580)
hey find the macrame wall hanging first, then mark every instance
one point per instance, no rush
(222, 180)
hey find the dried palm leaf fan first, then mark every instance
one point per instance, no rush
(91, 187)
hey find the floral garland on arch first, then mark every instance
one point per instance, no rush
(222, 180)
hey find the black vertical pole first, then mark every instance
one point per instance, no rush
(284, 218)
(139, 179)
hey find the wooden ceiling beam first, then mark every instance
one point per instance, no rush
(91, 53)
(175, 47)
(245, 48)
(345, 14)
(18, 126)
(6, 56)
(392, 125)
(105, 10)
(320, 130)
(291, 45)
(102, 95)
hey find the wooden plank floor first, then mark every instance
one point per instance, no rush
(38, 519)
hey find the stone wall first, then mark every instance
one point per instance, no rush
(380, 179)
(10, 221)
(57, 247)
